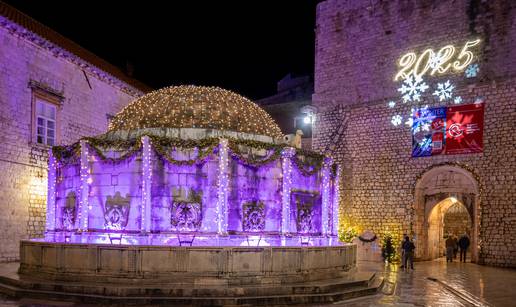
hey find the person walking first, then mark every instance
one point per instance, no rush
(449, 248)
(408, 248)
(455, 246)
(403, 252)
(463, 245)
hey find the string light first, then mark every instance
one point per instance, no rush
(336, 199)
(82, 219)
(222, 202)
(51, 198)
(196, 107)
(286, 164)
(146, 185)
(325, 195)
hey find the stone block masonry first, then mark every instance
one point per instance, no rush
(87, 100)
(358, 45)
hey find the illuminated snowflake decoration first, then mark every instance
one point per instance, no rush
(457, 100)
(425, 142)
(472, 71)
(422, 119)
(396, 120)
(479, 100)
(435, 61)
(391, 104)
(412, 88)
(409, 118)
(444, 90)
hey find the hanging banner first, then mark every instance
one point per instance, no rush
(464, 129)
(447, 130)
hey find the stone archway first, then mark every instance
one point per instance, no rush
(448, 217)
(436, 191)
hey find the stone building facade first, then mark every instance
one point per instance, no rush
(288, 106)
(358, 48)
(52, 91)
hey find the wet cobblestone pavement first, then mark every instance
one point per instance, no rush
(456, 284)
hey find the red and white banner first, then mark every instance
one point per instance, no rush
(464, 129)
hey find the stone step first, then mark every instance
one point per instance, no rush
(356, 279)
(372, 286)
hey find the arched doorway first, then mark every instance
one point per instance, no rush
(445, 194)
(449, 217)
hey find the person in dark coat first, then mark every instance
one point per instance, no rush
(408, 248)
(455, 246)
(463, 245)
(450, 245)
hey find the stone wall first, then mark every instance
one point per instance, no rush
(23, 164)
(358, 45)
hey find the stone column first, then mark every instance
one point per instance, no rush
(326, 195)
(82, 217)
(336, 203)
(222, 199)
(51, 192)
(286, 165)
(146, 185)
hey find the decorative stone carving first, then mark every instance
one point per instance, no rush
(186, 214)
(116, 213)
(69, 211)
(304, 218)
(306, 204)
(253, 216)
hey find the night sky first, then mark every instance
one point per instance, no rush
(245, 46)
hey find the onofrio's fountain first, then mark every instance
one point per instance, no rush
(191, 187)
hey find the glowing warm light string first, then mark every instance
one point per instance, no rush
(82, 219)
(51, 194)
(222, 200)
(286, 163)
(196, 107)
(146, 185)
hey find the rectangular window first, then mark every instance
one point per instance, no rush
(45, 122)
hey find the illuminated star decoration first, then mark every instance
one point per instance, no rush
(472, 71)
(444, 90)
(391, 104)
(457, 100)
(412, 88)
(422, 119)
(396, 120)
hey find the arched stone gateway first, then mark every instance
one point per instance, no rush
(439, 189)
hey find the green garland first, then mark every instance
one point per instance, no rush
(66, 154)
(252, 160)
(163, 145)
(96, 143)
(312, 163)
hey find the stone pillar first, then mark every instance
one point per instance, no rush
(222, 199)
(336, 203)
(82, 218)
(51, 192)
(146, 185)
(326, 196)
(286, 165)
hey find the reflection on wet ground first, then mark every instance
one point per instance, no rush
(454, 284)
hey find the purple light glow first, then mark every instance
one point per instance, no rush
(145, 200)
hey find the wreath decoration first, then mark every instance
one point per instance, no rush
(367, 240)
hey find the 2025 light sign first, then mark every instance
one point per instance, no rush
(430, 62)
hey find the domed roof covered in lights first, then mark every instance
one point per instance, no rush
(195, 107)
